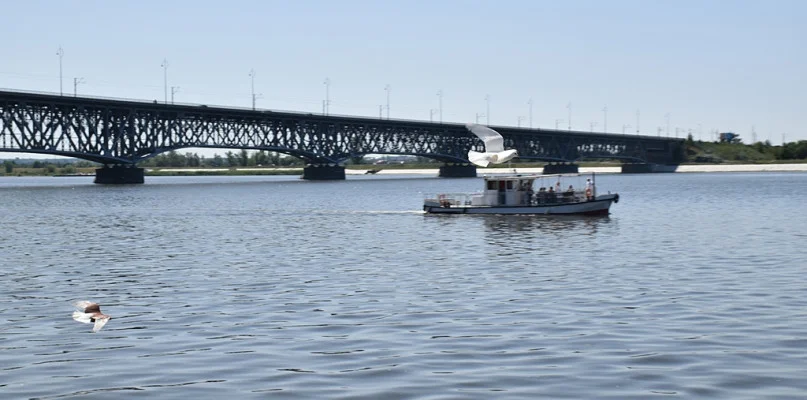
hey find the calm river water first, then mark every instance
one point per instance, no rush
(272, 287)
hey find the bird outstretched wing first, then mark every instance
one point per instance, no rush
(494, 142)
(82, 317)
(99, 323)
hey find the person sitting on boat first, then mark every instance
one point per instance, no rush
(551, 195)
(568, 195)
(541, 195)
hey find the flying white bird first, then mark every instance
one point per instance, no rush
(88, 313)
(494, 147)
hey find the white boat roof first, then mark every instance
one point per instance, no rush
(518, 177)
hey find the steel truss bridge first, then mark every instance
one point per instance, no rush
(121, 133)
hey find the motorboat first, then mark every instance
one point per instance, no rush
(517, 194)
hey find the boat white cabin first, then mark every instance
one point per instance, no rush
(517, 194)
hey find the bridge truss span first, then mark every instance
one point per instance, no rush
(125, 132)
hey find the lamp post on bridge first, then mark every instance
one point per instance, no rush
(165, 78)
(60, 53)
(174, 90)
(569, 106)
(487, 108)
(76, 81)
(387, 89)
(252, 82)
(440, 103)
(326, 105)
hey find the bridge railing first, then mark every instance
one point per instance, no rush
(218, 106)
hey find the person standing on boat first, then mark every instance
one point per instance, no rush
(589, 189)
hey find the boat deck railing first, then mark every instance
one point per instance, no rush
(452, 199)
(535, 199)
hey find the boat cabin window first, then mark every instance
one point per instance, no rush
(491, 185)
(509, 185)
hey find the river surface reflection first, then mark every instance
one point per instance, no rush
(254, 286)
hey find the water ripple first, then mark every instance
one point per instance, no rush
(251, 287)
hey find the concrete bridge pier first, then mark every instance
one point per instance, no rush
(457, 171)
(561, 168)
(323, 172)
(119, 175)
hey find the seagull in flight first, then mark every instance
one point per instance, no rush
(88, 313)
(494, 147)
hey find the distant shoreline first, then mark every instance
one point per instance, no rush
(607, 170)
(380, 170)
(527, 170)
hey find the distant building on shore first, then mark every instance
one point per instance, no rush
(730, 137)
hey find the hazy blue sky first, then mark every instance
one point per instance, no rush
(726, 65)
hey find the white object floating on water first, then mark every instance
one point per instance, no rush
(90, 313)
(494, 147)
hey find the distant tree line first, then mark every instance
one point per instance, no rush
(788, 151)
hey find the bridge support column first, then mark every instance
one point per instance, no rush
(561, 168)
(119, 175)
(458, 171)
(320, 172)
(644, 168)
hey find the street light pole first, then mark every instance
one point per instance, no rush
(440, 103)
(569, 106)
(487, 108)
(387, 89)
(165, 78)
(252, 81)
(60, 53)
(637, 122)
(76, 81)
(327, 103)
